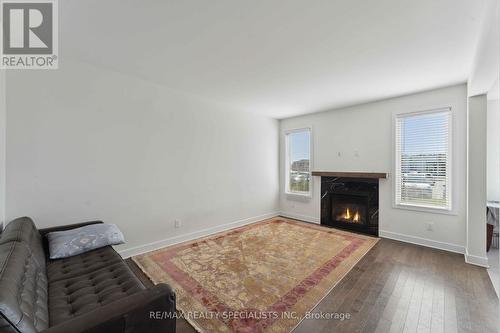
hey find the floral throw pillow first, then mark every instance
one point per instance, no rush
(63, 244)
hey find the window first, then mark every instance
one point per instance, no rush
(298, 166)
(423, 155)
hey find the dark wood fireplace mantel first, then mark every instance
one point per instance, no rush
(372, 175)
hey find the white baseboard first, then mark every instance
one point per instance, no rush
(422, 241)
(136, 250)
(300, 217)
(476, 260)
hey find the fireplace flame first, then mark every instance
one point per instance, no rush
(356, 217)
(348, 216)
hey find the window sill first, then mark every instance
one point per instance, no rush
(300, 195)
(425, 209)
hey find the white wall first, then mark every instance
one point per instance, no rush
(486, 64)
(88, 143)
(484, 74)
(367, 130)
(3, 121)
(476, 181)
(493, 150)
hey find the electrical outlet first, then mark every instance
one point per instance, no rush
(430, 226)
(177, 223)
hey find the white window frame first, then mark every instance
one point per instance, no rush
(287, 162)
(449, 167)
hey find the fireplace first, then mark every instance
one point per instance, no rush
(350, 203)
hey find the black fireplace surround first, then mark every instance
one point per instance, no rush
(350, 203)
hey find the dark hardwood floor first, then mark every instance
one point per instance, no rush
(400, 287)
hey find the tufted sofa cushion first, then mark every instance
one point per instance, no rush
(23, 288)
(78, 295)
(81, 264)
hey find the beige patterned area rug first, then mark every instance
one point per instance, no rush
(262, 277)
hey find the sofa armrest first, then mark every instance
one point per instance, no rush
(45, 231)
(151, 310)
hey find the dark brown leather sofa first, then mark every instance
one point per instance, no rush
(92, 292)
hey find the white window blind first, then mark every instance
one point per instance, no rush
(423, 157)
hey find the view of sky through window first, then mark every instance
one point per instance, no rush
(299, 145)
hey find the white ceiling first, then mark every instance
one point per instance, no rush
(274, 57)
